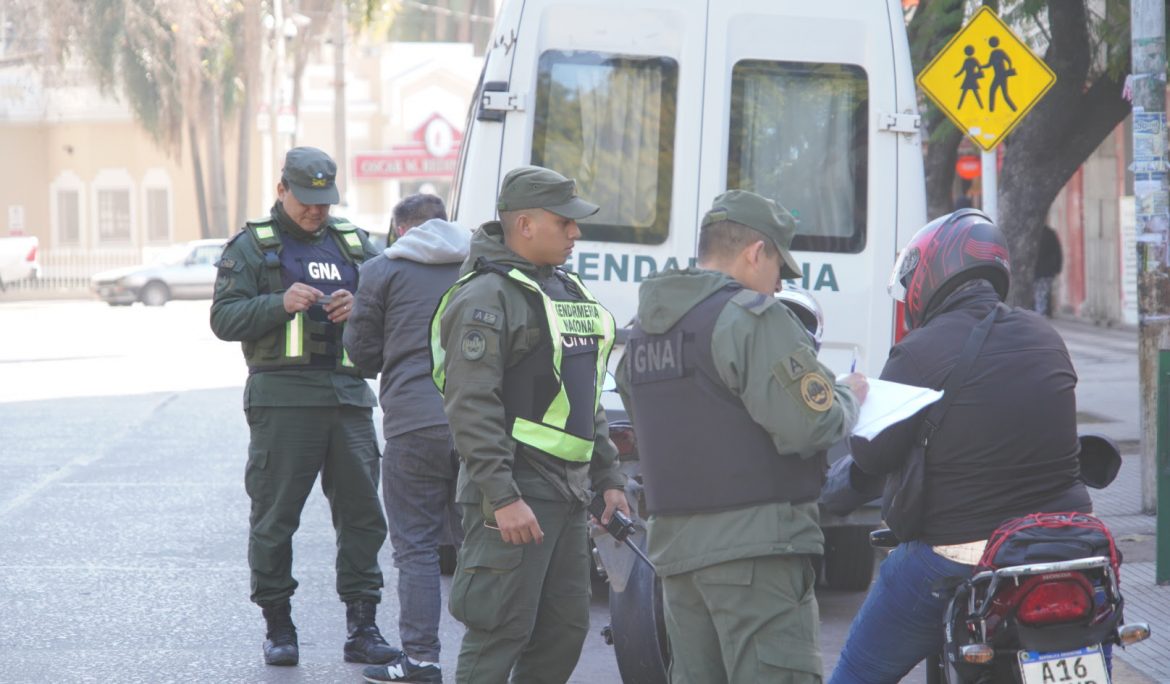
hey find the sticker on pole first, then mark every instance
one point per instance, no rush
(986, 79)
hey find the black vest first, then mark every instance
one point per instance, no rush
(699, 448)
(322, 265)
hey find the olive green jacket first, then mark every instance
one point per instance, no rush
(243, 310)
(750, 344)
(496, 468)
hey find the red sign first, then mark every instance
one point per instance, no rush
(409, 163)
(433, 153)
(968, 167)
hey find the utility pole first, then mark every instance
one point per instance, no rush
(339, 113)
(1148, 87)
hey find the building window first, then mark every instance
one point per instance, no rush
(113, 215)
(158, 215)
(69, 217)
(799, 136)
(608, 121)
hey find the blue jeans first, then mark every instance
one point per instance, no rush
(901, 621)
(418, 484)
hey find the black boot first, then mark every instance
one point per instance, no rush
(280, 646)
(365, 643)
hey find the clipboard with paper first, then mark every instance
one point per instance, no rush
(888, 403)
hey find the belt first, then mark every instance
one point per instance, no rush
(967, 554)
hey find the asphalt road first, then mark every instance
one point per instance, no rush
(123, 517)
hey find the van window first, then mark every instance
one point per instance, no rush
(608, 121)
(799, 135)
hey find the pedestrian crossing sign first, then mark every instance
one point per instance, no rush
(986, 79)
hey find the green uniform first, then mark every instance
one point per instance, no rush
(526, 607)
(303, 421)
(738, 584)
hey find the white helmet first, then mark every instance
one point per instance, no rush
(806, 308)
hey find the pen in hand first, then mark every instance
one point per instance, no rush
(853, 366)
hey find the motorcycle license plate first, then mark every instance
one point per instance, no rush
(1083, 666)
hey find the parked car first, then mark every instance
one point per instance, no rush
(187, 271)
(18, 259)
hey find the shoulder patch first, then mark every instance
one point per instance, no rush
(753, 301)
(795, 366)
(489, 318)
(816, 392)
(229, 264)
(473, 345)
(263, 221)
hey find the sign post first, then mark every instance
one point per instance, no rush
(986, 80)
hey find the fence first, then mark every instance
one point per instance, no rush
(69, 270)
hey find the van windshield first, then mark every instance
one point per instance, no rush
(608, 121)
(799, 135)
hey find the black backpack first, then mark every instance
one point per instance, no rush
(1049, 537)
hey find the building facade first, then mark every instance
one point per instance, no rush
(98, 192)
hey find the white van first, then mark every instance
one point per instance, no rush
(657, 106)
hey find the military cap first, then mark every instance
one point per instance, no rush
(535, 187)
(762, 215)
(311, 175)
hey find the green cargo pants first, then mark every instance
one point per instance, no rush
(744, 621)
(289, 447)
(526, 607)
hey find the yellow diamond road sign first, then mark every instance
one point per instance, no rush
(986, 79)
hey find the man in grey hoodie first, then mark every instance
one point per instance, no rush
(389, 331)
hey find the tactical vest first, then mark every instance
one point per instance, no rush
(699, 449)
(551, 395)
(309, 340)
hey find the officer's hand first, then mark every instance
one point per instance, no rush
(518, 524)
(300, 297)
(614, 498)
(340, 307)
(858, 384)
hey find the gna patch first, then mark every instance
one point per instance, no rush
(473, 346)
(816, 393)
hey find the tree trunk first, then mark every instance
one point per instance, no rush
(197, 169)
(442, 22)
(464, 21)
(1052, 142)
(244, 157)
(299, 64)
(941, 154)
(250, 60)
(215, 162)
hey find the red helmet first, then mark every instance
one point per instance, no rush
(943, 255)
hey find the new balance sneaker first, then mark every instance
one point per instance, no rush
(403, 669)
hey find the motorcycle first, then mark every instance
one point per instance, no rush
(1044, 605)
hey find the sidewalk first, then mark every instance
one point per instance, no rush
(1107, 403)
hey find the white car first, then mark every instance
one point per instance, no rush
(187, 271)
(18, 259)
